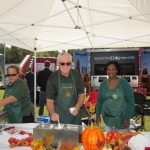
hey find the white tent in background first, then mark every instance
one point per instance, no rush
(71, 24)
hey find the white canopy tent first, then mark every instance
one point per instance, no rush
(45, 25)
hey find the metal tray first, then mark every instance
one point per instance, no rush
(67, 132)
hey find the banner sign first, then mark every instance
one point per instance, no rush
(145, 63)
(128, 60)
(41, 66)
(82, 61)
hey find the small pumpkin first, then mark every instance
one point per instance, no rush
(115, 139)
(92, 138)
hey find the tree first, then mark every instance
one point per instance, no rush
(16, 55)
(70, 51)
(2, 48)
(48, 54)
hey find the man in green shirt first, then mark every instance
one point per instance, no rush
(65, 90)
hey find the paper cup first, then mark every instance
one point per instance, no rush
(71, 109)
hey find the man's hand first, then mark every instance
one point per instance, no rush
(75, 111)
(55, 117)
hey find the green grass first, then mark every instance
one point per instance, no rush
(84, 114)
(1, 94)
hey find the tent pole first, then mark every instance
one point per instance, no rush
(35, 40)
(35, 85)
(4, 57)
(3, 67)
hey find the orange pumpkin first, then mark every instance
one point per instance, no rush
(92, 138)
(115, 139)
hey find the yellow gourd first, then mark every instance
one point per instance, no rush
(107, 147)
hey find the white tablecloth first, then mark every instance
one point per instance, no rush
(28, 127)
(4, 136)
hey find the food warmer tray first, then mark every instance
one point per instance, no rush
(60, 132)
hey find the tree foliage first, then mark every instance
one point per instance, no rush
(70, 51)
(48, 54)
(16, 55)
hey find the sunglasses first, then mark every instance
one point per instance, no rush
(62, 63)
(12, 75)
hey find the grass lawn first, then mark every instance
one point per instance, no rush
(147, 118)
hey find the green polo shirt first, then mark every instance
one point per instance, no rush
(53, 86)
(20, 91)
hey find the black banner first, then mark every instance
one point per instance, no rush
(128, 61)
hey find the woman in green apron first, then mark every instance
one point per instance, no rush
(16, 100)
(115, 100)
(65, 89)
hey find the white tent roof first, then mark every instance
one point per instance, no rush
(47, 25)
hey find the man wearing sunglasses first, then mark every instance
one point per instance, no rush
(65, 90)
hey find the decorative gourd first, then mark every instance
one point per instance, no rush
(92, 138)
(107, 147)
(115, 139)
(127, 135)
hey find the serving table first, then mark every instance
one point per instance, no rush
(4, 136)
(28, 127)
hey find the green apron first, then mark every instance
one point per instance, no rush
(67, 97)
(114, 108)
(13, 109)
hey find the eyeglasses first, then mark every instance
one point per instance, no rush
(12, 75)
(62, 63)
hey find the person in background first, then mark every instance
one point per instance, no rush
(65, 90)
(115, 100)
(29, 78)
(41, 82)
(16, 100)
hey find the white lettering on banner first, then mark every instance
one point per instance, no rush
(40, 66)
(115, 58)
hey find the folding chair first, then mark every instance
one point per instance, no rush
(139, 111)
